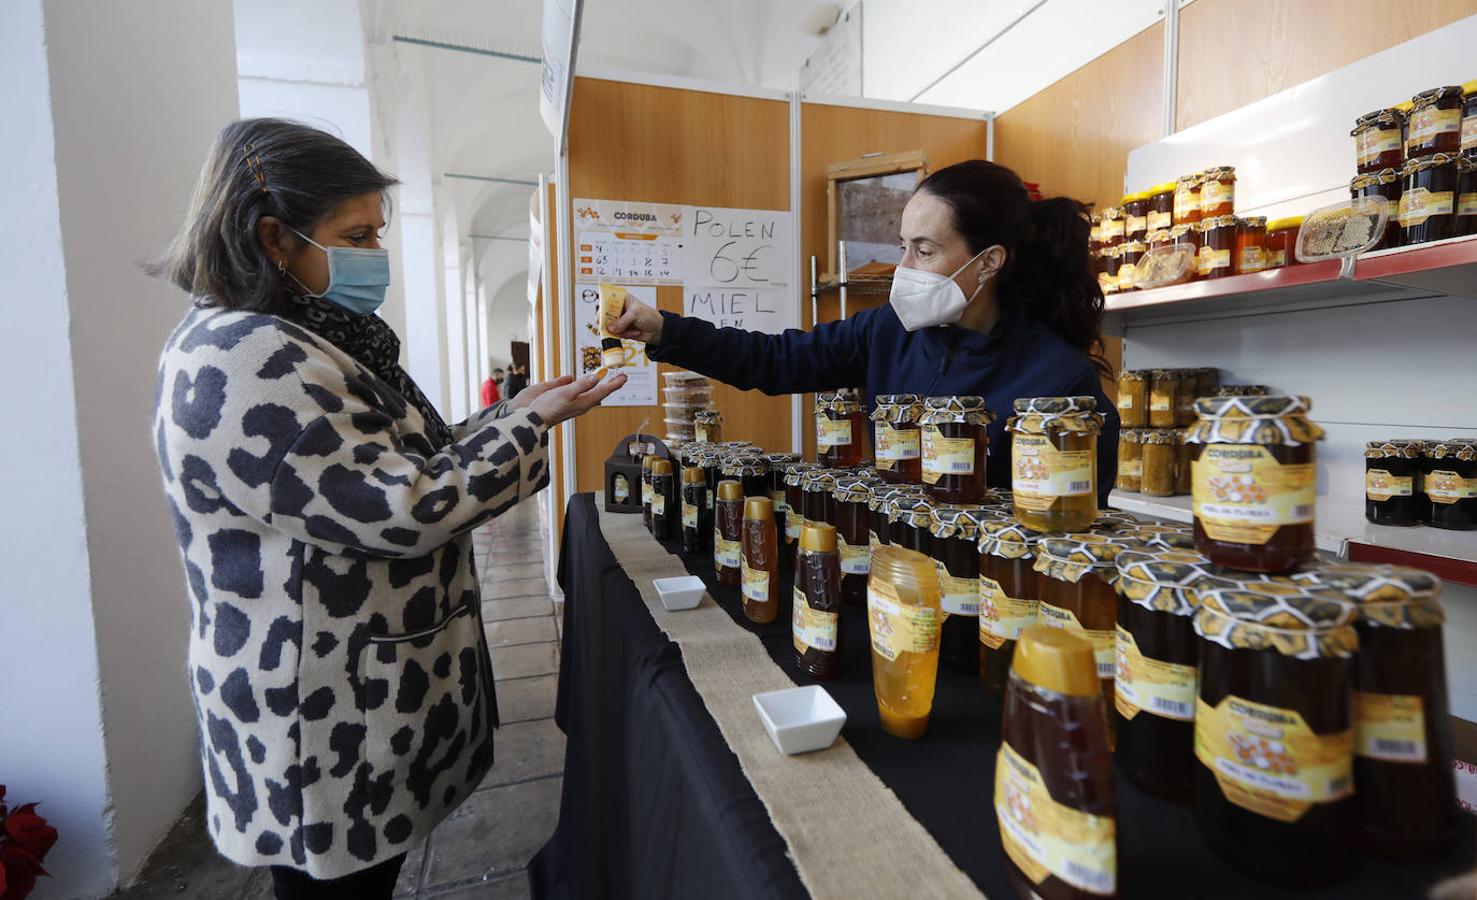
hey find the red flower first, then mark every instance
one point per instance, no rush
(29, 831)
(18, 871)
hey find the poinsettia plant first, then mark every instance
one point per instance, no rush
(25, 839)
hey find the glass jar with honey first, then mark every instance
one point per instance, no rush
(707, 425)
(709, 459)
(1435, 123)
(1254, 484)
(1187, 199)
(903, 621)
(1274, 730)
(795, 498)
(1054, 462)
(1282, 241)
(1207, 382)
(1008, 595)
(1054, 774)
(1217, 244)
(1449, 480)
(1158, 462)
(1402, 725)
(1135, 216)
(908, 521)
(955, 443)
(1218, 193)
(840, 429)
(1428, 199)
(955, 550)
(1133, 251)
(1113, 226)
(1377, 141)
(646, 462)
(1110, 261)
(1161, 207)
(750, 471)
(1158, 656)
(1384, 186)
(1392, 489)
(816, 604)
(877, 498)
(1251, 245)
(697, 523)
(817, 489)
(1165, 389)
(759, 561)
(1466, 195)
(1133, 398)
(1184, 474)
(853, 542)
(728, 533)
(1469, 119)
(1130, 460)
(897, 439)
(664, 509)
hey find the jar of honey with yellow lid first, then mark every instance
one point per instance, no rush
(1054, 462)
(1135, 216)
(1282, 241)
(1254, 484)
(1161, 207)
(1273, 786)
(1008, 595)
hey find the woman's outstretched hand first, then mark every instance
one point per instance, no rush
(638, 322)
(566, 397)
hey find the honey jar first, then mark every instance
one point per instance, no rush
(1187, 199)
(1054, 462)
(1392, 476)
(897, 438)
(1133, 398)
(1110, 261)
(1273, 786)
(840, 430)
(1184, 475)
(1254, 484)
(1450, 483)
(853, 534)
(794, 474)
(908, 521)
(1207, 382)
(1158, 462)
(1435, 123)
(1428, 199)
(1469, 119)
(1217, 243)
(750, 471)
(1383, 185)
(1161, 207)
(1282, 235)
(955, 550)
(817, 496)
(955, 443)
(1466, 197)
(1218, 193)
(1378, 141)
(1130, 460)
(707, 425)
(1008, 595)
(1132, 251)
(1111, 232)
(1165, 388)
(878, 496)
(1135, 216)
(1251, 245)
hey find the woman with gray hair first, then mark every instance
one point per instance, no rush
(322, 506)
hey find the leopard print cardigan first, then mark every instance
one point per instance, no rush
(337, 661)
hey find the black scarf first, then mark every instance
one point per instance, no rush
(371, 341)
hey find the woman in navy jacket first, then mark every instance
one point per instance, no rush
(994, 297)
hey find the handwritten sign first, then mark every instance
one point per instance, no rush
(754, 309)
(738, 248)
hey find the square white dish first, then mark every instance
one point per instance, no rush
(682, 592)
(800, 720)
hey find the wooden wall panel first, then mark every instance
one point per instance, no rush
(666, 145)
(553, 366)
(1233, 52)
(832, 134)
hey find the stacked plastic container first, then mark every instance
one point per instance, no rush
(683, 394)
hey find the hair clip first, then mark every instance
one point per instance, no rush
(254, 164)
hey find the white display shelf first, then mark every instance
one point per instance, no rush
(1342, 529)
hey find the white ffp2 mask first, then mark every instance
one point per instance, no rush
(925, 299)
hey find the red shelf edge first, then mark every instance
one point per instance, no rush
(1443, 567)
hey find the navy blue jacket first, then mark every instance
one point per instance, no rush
(1020, 357)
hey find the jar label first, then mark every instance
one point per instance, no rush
(709, 495)
(1128, 276)
(1419, 204)
(689, 515)
(1108, 283)
(1125, 400)
(1242, 494)
(1446, 486)
(1267, 760)
(1043, 837)
(945, 455)
(645, 492)
(1135, 224)
(1186, 202)
(894, 444)
(622, 489)
(1466, 204)
(1380, 485)
(897, 628)
(1215, 193)
(658, 504)
(856, 559)
(754, 583)
(1211, 259)
(1276, 259)
(1042, 473)
(1426, 124)
(1158, 221)
(958, 596)
(1104, 643)
(778, 499)
(700, 432)
(793, 524)
(725, 552)
(1112, 228)
(1153, 686)
(1469, 133)
(812, 628)
(1390, 727)
(1253, 259)
(831, 432)
(1002, 617)
(1161, 401)
(1371, 143)
(1134, 468)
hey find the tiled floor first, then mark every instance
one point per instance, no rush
(481, 849)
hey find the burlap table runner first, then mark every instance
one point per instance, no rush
(848, 834)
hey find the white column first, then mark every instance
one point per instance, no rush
(98, 722)
(456, 319)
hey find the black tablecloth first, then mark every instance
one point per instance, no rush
(655, 804)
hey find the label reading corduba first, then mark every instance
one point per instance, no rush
(1043, 837)
(831, 432)
(1267, 760)
(896, 628)
(754, 583)
(1419, 204)
(1242, 494)
(895, 445)
(1369, 144)
(957, 596)
(1042, 473)
(1153, 686)
(1390, 727)
(856, 559)
(1427, 123)
(945, 455)
(1380, 485)
(1002, 617)
(689, 515)
(725, 553)
(1104, 643)
(811, 628)
(1445, 486)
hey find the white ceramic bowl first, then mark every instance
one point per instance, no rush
(684, 592)
(800, 720)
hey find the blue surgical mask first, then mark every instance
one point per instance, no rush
(357, 277)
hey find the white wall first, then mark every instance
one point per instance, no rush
(507, 318)
(117, 116)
